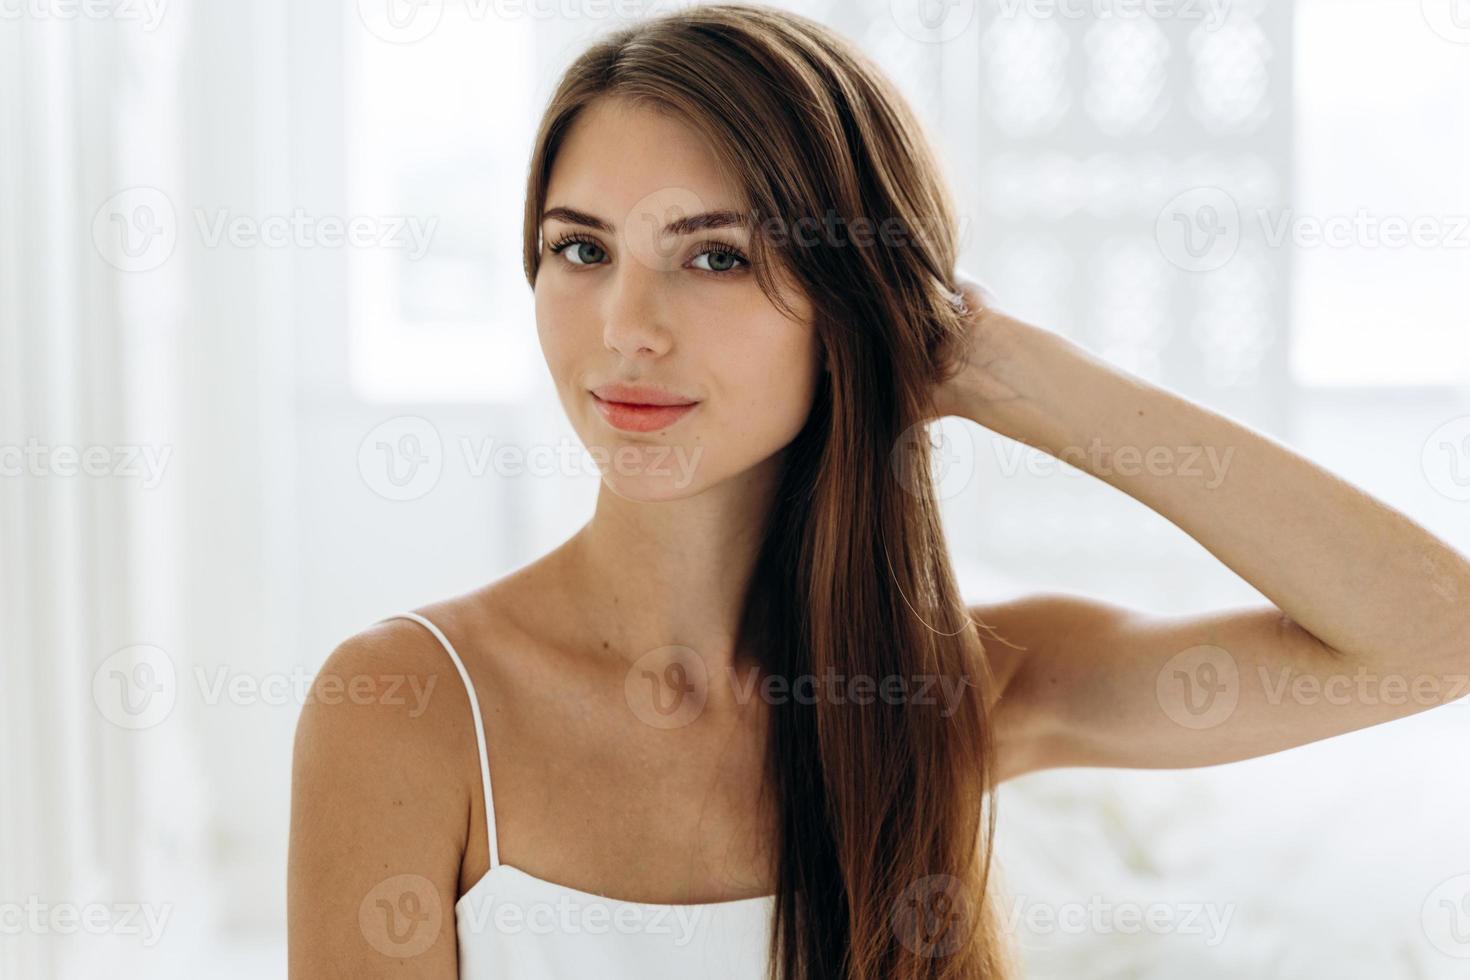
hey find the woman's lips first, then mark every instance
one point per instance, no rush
(632, 417)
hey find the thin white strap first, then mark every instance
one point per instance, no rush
(479, 729)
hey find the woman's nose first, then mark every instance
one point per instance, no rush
(634, 323)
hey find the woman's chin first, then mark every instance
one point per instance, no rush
(636, 468)
(649, 471)
(651, 488)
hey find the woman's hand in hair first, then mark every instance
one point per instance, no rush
(976, 377)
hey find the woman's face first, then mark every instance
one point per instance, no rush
(674, 315)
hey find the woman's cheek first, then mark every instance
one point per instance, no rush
(776, 390)
(556, 327)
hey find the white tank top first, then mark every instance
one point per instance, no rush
(513, 924)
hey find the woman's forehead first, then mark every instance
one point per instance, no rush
(618, 154)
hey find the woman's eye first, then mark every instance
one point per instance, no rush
(720, 260)
(575, 254)
(584, 252)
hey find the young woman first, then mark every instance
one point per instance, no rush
(741, 723)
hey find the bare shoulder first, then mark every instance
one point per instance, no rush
(385, 686)
(1014, 628)
(1018, 634)
(386, 805)
(379, 804)
(390, 696)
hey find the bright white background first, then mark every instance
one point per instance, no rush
(294, 436)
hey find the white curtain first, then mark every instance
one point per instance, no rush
(139, 503)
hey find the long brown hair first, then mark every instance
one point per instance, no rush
(885, 808)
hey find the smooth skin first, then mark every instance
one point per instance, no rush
(590, 795)
(1369, 613)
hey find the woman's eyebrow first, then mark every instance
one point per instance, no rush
(703, 221)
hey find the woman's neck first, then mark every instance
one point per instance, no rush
(673, 573)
